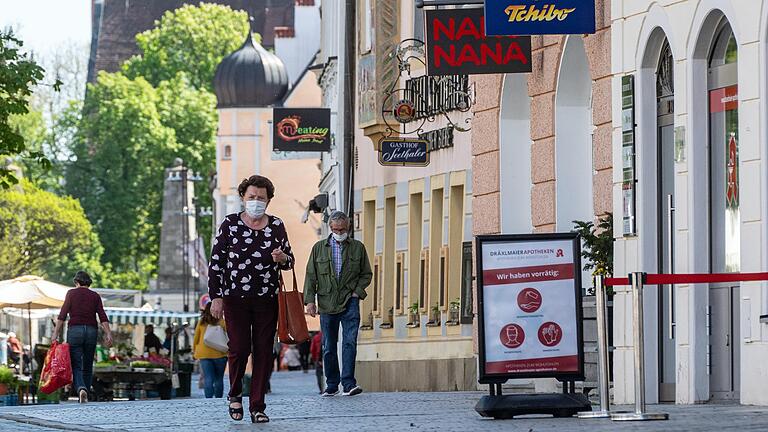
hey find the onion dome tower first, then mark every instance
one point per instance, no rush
(250, 77)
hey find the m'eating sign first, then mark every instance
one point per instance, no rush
(529, 307)
(457, 45)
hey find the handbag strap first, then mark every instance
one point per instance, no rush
(282, 282)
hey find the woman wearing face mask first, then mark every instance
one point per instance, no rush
(250, 250)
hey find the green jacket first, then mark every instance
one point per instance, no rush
(320, 280)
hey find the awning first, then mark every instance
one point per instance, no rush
(154, 317)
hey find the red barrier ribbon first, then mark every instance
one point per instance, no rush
(691, 278)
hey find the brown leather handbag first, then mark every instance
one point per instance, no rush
(291, 322)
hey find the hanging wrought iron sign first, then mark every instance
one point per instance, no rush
(403, 152)
(406, 110)
(457, 44)
(534, 17)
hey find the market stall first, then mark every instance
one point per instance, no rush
(127, 371)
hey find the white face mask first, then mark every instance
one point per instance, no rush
(340, 237)
(255, 208)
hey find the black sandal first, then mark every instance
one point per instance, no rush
(259, 417)
(234, 411)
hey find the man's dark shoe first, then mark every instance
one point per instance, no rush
(356, 390)
(329, 393)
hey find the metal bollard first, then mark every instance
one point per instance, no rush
(603, 379)
(636, 280)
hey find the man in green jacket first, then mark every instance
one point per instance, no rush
(338, 272)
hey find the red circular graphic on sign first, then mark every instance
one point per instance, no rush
(529, 300)
(550, 334)
(512, 336)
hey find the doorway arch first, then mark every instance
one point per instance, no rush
(573, 137)
(515, 155)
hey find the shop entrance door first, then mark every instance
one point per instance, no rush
(724, 214)
(665, 181)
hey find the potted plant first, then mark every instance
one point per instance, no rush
(368, 324)
(390, 317)
(434, 321)
(453, 312)
(598, 246)
(7, 379)
(413, 315)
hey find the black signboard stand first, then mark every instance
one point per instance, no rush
(566, 404)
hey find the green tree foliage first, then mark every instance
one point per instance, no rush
(191, 39)
(45, 235)
(598, 244)
(19, 74)
(129, 133)
(120, 153)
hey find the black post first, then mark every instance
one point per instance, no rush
(350, 61)
(184, 235)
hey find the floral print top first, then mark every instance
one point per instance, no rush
(241, 259)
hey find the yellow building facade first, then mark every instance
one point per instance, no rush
(417, 332)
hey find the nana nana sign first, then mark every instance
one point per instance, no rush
(302, 129)
(457, 45)
(403, 152)
(534, 17)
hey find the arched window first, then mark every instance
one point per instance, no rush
(227, 152)
(725, 219)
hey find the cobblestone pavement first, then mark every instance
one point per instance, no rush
(295, 406)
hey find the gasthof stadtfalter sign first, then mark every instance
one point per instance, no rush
(457, 45)
(535, 17)
(301, 129)
(403, 152)
(529, 301)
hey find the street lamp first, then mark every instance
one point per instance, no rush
(184, 174)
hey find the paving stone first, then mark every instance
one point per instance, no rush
(295, 406)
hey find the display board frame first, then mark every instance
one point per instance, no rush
(494, 378)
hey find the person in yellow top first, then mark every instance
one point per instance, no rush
(212, 361)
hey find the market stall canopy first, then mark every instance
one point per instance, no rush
(32, 292)
(146, 315)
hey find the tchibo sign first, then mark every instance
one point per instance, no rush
(457, 45)
(534, 17)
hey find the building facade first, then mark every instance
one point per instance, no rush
(541, 142)
(414, 221)
(697, 92)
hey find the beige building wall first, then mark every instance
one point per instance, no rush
(413, 222)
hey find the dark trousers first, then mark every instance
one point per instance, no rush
(251, 322)
(82, 347)
(350, 324)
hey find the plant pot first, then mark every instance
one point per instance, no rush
(3, 389)
(453, 316)
(414, 320)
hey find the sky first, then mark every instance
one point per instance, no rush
(46, 24)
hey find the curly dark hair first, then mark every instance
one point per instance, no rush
(83, 279)
(259, 182)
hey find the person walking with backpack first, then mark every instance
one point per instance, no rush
(338, 272)
(211, 353)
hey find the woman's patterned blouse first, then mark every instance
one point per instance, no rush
(241, 259)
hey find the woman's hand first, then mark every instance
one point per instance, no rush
(108, 340)
(279, 256)
(217, 308)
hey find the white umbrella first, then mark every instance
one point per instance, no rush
(31, 292)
